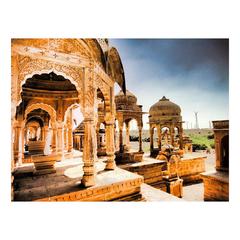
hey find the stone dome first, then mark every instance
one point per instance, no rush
(164, 107)
(123, 100)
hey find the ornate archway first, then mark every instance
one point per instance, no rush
(29, 67)
(46, 107)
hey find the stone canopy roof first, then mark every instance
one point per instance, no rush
(164, 107)
(127, 102)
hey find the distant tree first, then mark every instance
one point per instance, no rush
(212, 145)
(197, 146)
(210, 136)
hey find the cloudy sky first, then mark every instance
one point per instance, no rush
(190, 72)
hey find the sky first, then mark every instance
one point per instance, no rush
(192, 73)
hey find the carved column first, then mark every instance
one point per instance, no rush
(115, 138)
(120, 136)
(60, 138)
(23, 143)
(45, 130)
(90, 117)
(140, 138)
(66, 138)
(159, 137)
(109, 131)
(180, 137)
(217, 150)
(89, 152)
(98, 138)
(42, 133)
(151, 138)
(70, 132)
(172, 135)
(127, 135)
(18, 142)
(70, 139)
(54, 139)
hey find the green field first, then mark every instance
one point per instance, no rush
(201, 139)
(197, 136)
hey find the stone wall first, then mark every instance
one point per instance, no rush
(128, 190)
(216, 187)
(189, 169)
(152, 173)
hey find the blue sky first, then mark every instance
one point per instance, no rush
(190, 72)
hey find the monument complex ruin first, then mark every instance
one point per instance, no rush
(54, 160)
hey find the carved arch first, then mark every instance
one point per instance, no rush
(29, 67)
(46, 107)
(68, 108)
(105, 89)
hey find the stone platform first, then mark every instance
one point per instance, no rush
(151, 169)
(151, 194)
(64, 185)
(189, 169)
(191, 166)
(28, 157)
(129, 157)
(216, 186)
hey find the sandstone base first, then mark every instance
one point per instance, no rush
(216, 186)
(45, 164)
(152, 194)
(190, 167)
(116, 185)
(175, 187)
(129, 157)
(36, 147)
(101, 152)
(151, 169)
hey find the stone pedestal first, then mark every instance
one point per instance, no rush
(45, 164)
(216, 186)
(174, 186)
(36, 147)
(129, 157)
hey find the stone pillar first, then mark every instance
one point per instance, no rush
(89, 152)
(18, 143)
(65, 138)
(180, 137)
(151, 138)
(120, 136)
(23, 142)
(70, 132)
(159, 137)
(45, 132)
(217, 151)
(42, 133)
(54, 140)
(70, 139)
(127, 135)
(172, 135)
(115, 138)
(140, 138)
(60, 138)
(109, 131)
(98, 138)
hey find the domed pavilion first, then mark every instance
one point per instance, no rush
(166, 117)
(126, 110)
